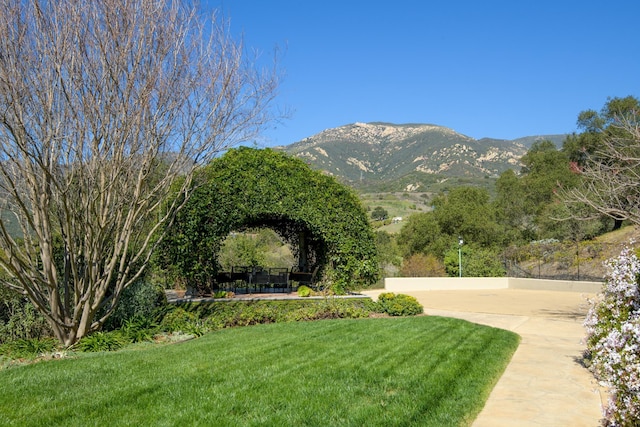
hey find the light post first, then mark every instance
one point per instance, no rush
(460, 243)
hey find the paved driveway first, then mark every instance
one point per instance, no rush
(544, 384)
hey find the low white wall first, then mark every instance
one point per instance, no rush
(555, 285)
(403, 284)
(407, 284)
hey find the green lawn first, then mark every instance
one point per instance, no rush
(427, 371)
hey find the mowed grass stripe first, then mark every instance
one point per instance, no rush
(378, 372)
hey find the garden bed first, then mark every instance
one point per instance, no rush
(178, 296)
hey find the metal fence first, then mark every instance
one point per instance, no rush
(578, 261)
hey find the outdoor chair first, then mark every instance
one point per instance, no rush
(223, 278)
(261, 278)
(303, 277)
(241, 278)
(279, 278)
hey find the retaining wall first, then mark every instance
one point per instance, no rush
(406, 284)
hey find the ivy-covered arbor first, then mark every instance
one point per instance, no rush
(322, 220)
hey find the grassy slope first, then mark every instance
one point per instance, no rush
(400, 371)
(397, 205)
(593, 254)
(610, 245)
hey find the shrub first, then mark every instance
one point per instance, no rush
(19, 319)
(102, 341)
(140, 299)
(180, 320)
(399, 305)
(218, 315)
(267, 190)
(139, 328)
(379, 213)
(421, 265)
(28, 348)
(613, 339)
(345, 309)
(304, 291)
(476, 262)
(331, 309)
(223, 294)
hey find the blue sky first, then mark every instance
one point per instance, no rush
(500, 69)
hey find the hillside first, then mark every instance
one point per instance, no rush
(409, 157)
(559, 260)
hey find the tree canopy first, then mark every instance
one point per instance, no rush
(544, 172)
(466, 212)
(528, 204)
(322, 219)
(608, 153)
(598, 126)
(379, 213)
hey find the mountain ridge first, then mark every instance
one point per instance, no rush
(383, 152)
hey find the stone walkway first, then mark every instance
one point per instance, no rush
(544, 383)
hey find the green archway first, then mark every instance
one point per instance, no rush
(322, 220)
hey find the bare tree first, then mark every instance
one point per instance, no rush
(611, 173)
(106, 106)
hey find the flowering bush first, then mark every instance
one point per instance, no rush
(613, 339)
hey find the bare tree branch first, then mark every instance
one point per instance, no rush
(611, 175)
(104, 107)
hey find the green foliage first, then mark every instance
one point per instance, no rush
(476, 262)
(527, 205)
(563, 222)
(140, 300)
(304, 291)
(605, 155)
(466, 212)
(231, 315)
(139, 328)
(249, 188)
(399, 304)
(545, 170)
(422, 233)
(223, 294)
(102, 341)
(379, 213)
(219, 315)
(597, 126)
(181, 320)
(389, 257)
(330, 309)
(19, 320)
(241, 249)
(421, 265)
(28, 348)
(254, 247)
(513, 211)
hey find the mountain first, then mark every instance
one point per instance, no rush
(375, 153)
